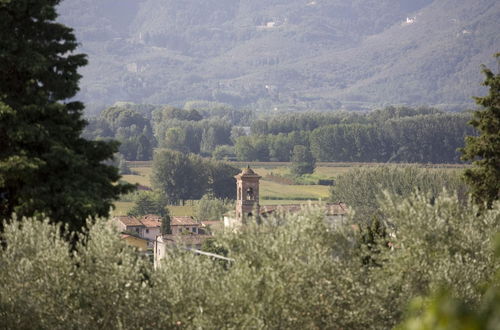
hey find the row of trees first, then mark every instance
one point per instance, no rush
(309, 121)
(388, 135)
(127, 126)
(139, 130)
(432, 138)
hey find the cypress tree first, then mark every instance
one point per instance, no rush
(484, 149)
(46, 167)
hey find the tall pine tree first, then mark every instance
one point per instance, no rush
(484, 149)
(46, 167)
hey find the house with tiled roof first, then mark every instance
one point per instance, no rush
(146, 227)
(185, 231)
(152, 226)
(184, 224)
(129, 224)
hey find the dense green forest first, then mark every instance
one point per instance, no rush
(392, 134)
(292, 55)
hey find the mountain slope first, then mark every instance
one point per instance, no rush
(288, 54)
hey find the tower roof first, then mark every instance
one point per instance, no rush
(247, 173)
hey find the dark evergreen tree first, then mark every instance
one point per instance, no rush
(46, 167)
(149, 202)
(165, 228)
(484, 149)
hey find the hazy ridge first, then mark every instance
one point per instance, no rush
(285, 54)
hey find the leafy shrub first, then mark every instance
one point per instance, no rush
(361, 188)
(292, 271)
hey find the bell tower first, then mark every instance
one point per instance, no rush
(247, 200)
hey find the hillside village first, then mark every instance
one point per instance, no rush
(144, 232)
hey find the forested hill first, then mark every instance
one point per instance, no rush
(285, 54)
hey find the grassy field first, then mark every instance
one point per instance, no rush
(273, 190)
(140, 176)
(121, 208)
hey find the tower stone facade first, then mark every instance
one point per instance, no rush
(247, 200)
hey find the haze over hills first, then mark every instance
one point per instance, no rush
(285, 54)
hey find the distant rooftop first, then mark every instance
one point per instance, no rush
(183, 221)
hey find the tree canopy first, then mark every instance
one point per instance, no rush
(187, 176)
(291, 272)
(46, 167)
(484, 149)
(303, 161)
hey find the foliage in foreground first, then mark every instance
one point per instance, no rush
(443, 311)
(293, 271)
(361, 188)
(211, 208)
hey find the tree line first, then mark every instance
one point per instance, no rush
(140, 129)
(378, 137)
(392, 134)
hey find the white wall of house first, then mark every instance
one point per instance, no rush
(135, 230)
(179, 229)
(150, 233)
(158, 250)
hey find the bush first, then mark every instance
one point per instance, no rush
(361, 188)
(292, 271)
(211, 208)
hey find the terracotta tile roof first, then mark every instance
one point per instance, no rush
(128, 221)
(151, 221)
(183, 221)
(248, 173)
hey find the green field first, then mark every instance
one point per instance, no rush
(273, 190)
(121, 208)
(140, 176)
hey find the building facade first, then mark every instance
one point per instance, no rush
(248, 207)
